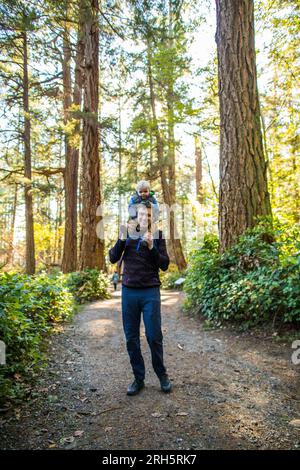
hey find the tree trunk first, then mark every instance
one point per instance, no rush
(120, 164)
(175, 240)
(168, 192)
(69, 261)
(199, 172)
(30, 248)
(92, 247)
(12, 228)
(243, 169)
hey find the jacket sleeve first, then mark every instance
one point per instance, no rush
(160, 254)
(116, 251)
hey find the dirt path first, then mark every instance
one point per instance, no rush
(230, 391)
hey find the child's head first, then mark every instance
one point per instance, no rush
(143, 189)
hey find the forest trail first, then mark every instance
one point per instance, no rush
(230, 390)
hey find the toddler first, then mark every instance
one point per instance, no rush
(143, 195)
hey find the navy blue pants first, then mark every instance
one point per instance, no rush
(134, 302)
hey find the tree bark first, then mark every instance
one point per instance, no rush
(69, 261)
(91, 247)
(10, 250)
(199, 172)
(175, 240)
(120, 163)
(243, 169)
(30, 247)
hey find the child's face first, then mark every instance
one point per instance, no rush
(144, 193)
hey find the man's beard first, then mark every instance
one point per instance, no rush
(143, 229)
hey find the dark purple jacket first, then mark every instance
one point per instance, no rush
(141, 267)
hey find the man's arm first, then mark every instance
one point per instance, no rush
(160, 254)
(116, 251)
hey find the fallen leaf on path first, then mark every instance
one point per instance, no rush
(52, 398)
(108, 409)
(82, 399)
(295, 422)
(67, 440)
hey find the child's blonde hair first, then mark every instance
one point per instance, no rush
(142, 184)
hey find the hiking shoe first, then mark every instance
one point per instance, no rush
(135, 387)
(165, 383)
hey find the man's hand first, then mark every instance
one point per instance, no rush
(123, 232)
(132, 227)
(149, 239)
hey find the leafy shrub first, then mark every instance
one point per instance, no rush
(168, 278)
(89, 284)
(29, 307)
(257, 280)
(51, 300)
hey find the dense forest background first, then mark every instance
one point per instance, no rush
(98, 95)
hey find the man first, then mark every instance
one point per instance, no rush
(144, 254)
(115, 279)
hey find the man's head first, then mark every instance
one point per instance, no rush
(144, 217)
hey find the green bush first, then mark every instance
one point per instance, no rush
(51, 299)
(29, 307)
(89, 284)
(168, 279)
(255, 281)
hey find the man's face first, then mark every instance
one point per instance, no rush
(144, 217)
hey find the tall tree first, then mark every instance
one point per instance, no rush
(171, 99)
(72, 106)
(91, 247)
(279, 62)
(199, 171)
(159, 27)
(243, 169)
(30, 250)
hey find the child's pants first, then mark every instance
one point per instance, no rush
(134, 302)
